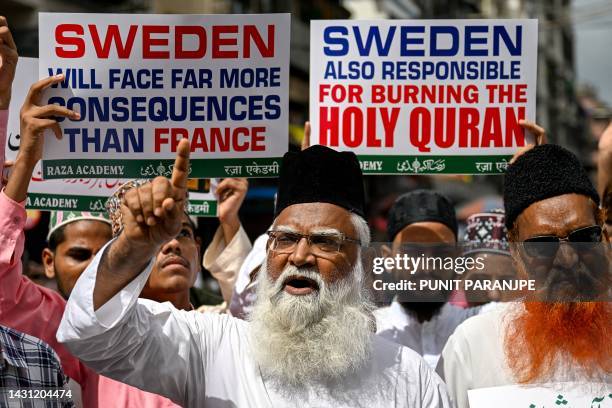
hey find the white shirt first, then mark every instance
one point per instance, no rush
(223, 260)
(204, 360)
(474, 356)
(245, 291)
(428, 338)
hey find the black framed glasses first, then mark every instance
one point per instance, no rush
(324, 244)
(548, 245)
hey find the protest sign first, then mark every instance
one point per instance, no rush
(202, 205)
(76, 194)
(202, 200)
(73, 194)
(143, 82)
(26, 74)
(571, 395)
(423, 96)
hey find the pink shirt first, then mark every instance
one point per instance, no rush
(37, 311)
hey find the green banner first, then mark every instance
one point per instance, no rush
(371, 164)
(269, 167)
(65, 202)
(200, 168)
(202, 208)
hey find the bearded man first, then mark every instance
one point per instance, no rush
(560, 333)
(310, 341)
(422, 221)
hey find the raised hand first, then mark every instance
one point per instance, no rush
(539, 134)
(231, 193)
(306, 140)
(35, 119)
(152, 215)
(8, 63)
(152, 212)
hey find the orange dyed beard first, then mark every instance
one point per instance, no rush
(545, 333)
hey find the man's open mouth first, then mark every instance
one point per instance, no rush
(300, 285)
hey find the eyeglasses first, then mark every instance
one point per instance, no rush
(548, 245)
(324, 244)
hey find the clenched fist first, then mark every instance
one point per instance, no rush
(152, 212)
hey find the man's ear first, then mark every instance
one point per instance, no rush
(49, 265)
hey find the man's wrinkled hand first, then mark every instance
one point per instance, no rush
(231, 193)
(152, 212)
(35, 119)
(539, 135)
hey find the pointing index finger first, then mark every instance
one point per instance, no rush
(180, 172)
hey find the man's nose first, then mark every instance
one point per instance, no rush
(302, 254)
(494, 295)
(172, 246)
(566, 257)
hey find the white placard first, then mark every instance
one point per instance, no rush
(142, 82)
(560, 395)
(423, 96)
(77, 194)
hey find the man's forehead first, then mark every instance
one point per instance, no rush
(85, 224)
(187, 222)
(560, 214)
(313, 230)
(426, 232)
(84, 230)
(315, 218)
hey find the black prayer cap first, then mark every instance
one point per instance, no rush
(321, 175)
(420, 206)
(543, 172)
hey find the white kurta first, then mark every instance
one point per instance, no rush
(428, 338)
(224, 260)
(474, 356)
(202, 360)
(245, 291)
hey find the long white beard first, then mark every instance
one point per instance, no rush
(323, 336)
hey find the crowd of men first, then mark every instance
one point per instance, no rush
(299, 326)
